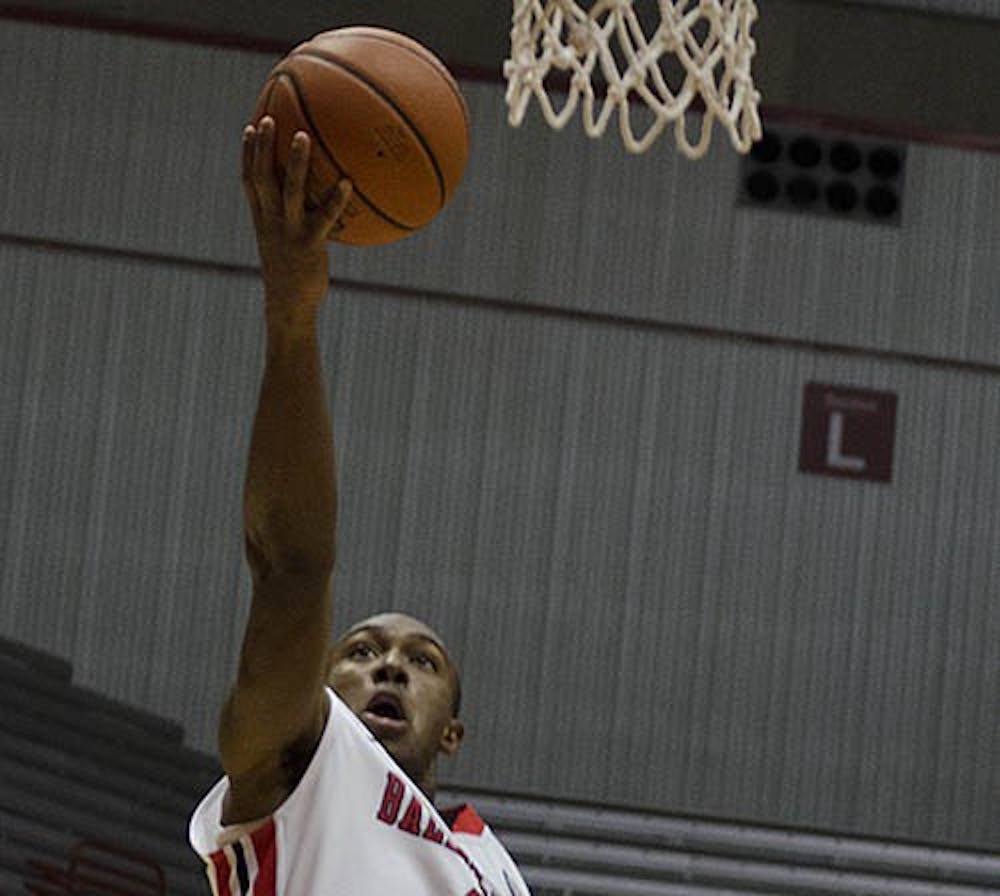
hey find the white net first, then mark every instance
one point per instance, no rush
(695, 57)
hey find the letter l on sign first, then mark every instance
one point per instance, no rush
(835, 458)
(847, 432)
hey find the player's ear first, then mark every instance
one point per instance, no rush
(451, 737)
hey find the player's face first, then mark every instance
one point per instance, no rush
(395, 675)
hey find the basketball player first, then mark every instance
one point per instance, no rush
(330, 753)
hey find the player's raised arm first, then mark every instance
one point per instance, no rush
(275, 712)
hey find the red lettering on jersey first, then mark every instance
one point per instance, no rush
(392, 799)
(433, 832)
(410, 822)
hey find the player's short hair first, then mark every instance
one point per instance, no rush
(456, 703)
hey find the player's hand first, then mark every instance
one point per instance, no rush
(291, 239)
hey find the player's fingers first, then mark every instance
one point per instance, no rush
(295, 178)
(248, 149)
(335, 206)
(264, 178)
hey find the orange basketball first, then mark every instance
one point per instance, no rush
(382, 110)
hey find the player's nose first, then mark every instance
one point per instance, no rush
(390, 669)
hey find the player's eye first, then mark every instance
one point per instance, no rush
(361, 651)
(425, 660)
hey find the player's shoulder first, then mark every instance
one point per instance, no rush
(464, 819)
(479, 840)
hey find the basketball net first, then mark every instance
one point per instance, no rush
(556, 45)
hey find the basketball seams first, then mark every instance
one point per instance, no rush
(317, 136)
(401, 42)
(374, 87)
(265, 101)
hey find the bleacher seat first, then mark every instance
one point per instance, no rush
(96, 794)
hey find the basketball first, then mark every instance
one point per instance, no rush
(380, 109)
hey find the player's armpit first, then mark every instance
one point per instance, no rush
(277, 707)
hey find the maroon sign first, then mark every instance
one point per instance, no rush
(847, 432)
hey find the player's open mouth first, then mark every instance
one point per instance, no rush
(384, 715)
(386, 706)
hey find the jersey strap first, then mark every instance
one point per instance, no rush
(245, 867)
(464, 820)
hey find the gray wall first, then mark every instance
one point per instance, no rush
(919, 66)
(983, 9)
(568, 423)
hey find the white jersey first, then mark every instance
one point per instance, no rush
(354, 825)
